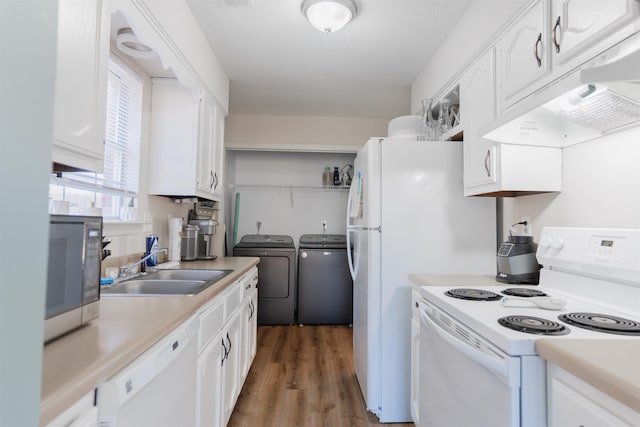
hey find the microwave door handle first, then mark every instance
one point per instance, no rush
(497, 366)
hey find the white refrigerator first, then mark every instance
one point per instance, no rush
(406, 214)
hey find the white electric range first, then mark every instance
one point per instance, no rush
(477, 343)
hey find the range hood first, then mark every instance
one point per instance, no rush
(598, 98)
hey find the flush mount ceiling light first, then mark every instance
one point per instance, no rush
(329, 16)
(129, 44)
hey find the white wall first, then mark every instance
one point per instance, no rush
(600, 188)
(274, 199)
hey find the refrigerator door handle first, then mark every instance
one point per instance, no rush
(358, 228)
(350, 228)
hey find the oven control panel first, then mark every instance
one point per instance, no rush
(607, 246)
(606, 252)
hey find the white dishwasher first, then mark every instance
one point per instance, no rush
(158, 388)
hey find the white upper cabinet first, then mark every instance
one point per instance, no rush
(577, 25)
(523, 53)
(81, 84)
(498, 169)
(478, 98)
(184, 142)
(211, 157)
(550, 38)
(218, 154)
(206, 179)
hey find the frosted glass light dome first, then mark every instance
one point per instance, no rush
(329, 16)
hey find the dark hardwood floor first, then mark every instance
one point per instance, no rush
(302, 376)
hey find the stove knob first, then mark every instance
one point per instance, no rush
(545, 241)
(557, 242)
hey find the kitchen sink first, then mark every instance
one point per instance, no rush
(204, 275)
(166, 282)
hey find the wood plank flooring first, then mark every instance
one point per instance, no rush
(302, 376)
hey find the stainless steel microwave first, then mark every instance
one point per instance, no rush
(73, 275)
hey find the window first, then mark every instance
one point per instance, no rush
(115, 190)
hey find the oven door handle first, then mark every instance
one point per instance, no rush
(497, 366)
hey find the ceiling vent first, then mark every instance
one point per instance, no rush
(236, 3)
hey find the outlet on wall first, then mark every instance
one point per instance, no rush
(526, 228)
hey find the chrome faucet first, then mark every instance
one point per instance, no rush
(124, 271)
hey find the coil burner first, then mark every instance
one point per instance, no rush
(524, 292)
(533, 325)
(602, 323)
(473, 294)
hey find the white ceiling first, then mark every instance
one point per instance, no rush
(279, 64)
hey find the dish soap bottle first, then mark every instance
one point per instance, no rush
(336, 176)
(326, 176)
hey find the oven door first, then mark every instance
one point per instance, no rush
(464, 380)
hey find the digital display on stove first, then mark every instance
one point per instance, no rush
(607, 243)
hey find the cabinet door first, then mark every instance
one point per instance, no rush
(524, 54)
(249, 329)
(209, 397)
(81, 84)
(253, 327)
(231, 366)
(218, 153)
(573, 403)
(478, 95)
(576, 25)
(173, 139)
(206, 139)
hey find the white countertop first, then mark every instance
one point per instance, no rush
(611, 366)
(76, 363)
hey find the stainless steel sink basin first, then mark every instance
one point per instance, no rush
(204, 275)
(166, 282)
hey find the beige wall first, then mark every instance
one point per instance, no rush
(301, 133)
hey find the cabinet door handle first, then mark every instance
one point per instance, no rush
(229, 340)
(536, 53)
(211, 180)
(216, 181)
(224, 351)
(556, 41)
(487, 158)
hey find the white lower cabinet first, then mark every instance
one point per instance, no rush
(572, 402)
(209, 402)
(249, 331)
(226, 350)
(230, 379)
(249, 322)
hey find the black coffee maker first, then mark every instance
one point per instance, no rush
(517, 263)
